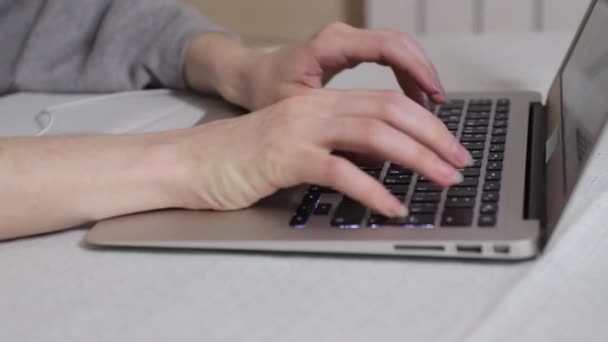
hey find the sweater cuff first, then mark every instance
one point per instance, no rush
(174, 42)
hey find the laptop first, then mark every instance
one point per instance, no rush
(528, 158)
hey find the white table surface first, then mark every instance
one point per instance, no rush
(54, 289)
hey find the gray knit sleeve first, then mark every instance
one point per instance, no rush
(98, 45)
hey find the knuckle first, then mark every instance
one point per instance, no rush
(373, 131)
(389, 38)
(392, 102)
(329, 30)
(335, 27)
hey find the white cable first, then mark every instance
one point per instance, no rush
(47, 113)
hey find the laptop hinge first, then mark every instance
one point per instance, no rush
(534, 203)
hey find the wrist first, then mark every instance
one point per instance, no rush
(216, 64)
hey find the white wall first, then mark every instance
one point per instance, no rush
(475, 16)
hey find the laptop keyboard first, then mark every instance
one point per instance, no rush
(481, 125)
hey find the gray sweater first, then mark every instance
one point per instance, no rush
(94, 45)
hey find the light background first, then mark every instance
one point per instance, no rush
(263, 22)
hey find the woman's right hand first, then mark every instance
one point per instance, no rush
(233, 163)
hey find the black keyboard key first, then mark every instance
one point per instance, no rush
(428, 187)
(478, 115)
(306, 208)
(452, 126)
(476, 163)
(372, 167)
(423, 179)
(468, 182)
(486, 102)
(452, 119)
(477, 154)
(494, 165)
(348, 213)
(503, 102)
(487, 221)
(420, 220)
(501, 116)
(489, 208)
(298, 220)
(374, 173)
(475, 130)
(472, 146)
(493, 175)
(321, 189)
(501, 123)
(311, 198)
(497, 148)
(499, 139)
(432, 197)
(460, 202)
(496, 156)
(456, 102)
(476, 123)
(491, 186)
(322, 209)
(473, 138)
(457, 217)
(491, 197)
(397, 189)
(377, 219)
(398, 179)
(471, 172)
(499, 131)
(462, 192)
(423, 208)
(395, 170)
(479, 108)
(411, 220)
(503, 109)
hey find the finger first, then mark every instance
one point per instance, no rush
(412, 91)
(375, 137)
(413, 46)
(403, 114)
(338, 173)
(340, 46)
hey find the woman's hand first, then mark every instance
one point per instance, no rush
(255, 79)
(235, 162)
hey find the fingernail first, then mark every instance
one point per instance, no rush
(461, 156)
(458, 178)
(400, 211)
(443, 91)
(450, 174)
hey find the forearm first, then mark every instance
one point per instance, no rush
(52, 183)
(217, 64)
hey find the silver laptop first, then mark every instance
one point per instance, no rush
(528, 157)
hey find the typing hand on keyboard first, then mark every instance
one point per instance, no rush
(481, 127)
(239, 161)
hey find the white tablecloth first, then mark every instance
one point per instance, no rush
(54, 289)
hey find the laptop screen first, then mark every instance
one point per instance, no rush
(585, 92)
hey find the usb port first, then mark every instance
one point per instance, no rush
(468, 249)
(502, 249)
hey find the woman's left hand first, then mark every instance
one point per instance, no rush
(255, 79)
